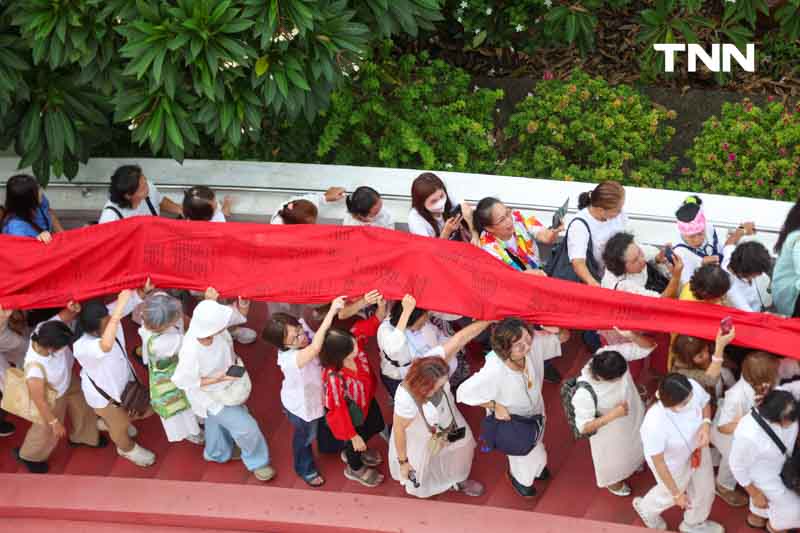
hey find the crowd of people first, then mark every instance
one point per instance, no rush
(717, 405)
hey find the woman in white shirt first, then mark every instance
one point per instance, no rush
(131, 194)
(432, 211)
(510, 383)
(205, 358)
(675, 435)
(365, 208)
(599, 217)
(613, 417)
(305, 209)
(106, 371)
(301, 390)
(757, 460)
(745, 263)
(431, 447)
(48, 365)
(162, 334)
(200, 203)
(759, 376)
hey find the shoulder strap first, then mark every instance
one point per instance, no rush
(150, 206)
(768, 430)
(115, 210)
(421, 411)
(695, 251)
(580, 384)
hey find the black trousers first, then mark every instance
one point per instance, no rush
(373, 424)
(796, 313)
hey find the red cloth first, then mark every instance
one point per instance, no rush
(359, 386)
(315, 263)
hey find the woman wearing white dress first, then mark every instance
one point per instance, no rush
(510, 383)
(756, 462)
(616, 415)
(759, 376)
(162, 334)
(675, 435)
(425, 413)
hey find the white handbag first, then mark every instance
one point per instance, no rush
(237, 392)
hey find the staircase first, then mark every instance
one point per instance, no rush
(570, 493)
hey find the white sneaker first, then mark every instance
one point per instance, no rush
(651, 521)
(624, 490)
(138, 455)
(102, 426)
(244, 335)
(708, 526)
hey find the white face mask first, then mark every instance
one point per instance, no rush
(438, 207)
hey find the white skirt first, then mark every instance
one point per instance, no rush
(181, 425)
(526, 468)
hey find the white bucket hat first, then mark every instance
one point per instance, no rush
(209, 318)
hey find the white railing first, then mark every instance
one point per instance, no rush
(260, 188)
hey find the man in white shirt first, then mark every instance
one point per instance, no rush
(131, 194)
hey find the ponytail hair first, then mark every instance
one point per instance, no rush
(362, 200)
(53, 335)
(607, 195)
(299, 212)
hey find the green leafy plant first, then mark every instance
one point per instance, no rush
(586, 130)
(411, 112)
(749, 151)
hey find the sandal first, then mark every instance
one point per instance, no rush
(469, 487)
(315, 480)
(755, 521)
(369, 477)
(370, 458)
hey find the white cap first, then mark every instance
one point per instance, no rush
(209, 318)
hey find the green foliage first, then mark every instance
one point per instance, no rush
(750, 151)
(178, 76)
(411, 112)
(778, 56)
(583, 129)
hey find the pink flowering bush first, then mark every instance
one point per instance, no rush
(750, 151)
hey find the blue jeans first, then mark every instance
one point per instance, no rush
(235, 425)
(304, 434)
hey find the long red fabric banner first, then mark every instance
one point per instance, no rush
(315, 263)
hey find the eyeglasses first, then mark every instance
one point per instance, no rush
(298, 334)
(502, 219)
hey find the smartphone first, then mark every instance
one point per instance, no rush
(726, 325)
(668, 254)
(558, 216)
(235, 371)
(456, 210)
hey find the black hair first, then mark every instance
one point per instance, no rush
(614, 252)
(36, 316)
(607, 195)
(482, 216)
(92, 314)
(362, 200)
(608, 365)
(54, 335)
(750, 258)
(397, 310)
(505, 333)
(791, 224)
(275, 329)
(674, 389)
(199, 203)
(338, 344)
(22, 199)
(709, 282)
(124, 182)
(689, 208)
(779, 405)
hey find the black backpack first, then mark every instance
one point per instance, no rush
(568, 390)
(560, 265)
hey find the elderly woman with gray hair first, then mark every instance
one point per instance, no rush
(162, 333)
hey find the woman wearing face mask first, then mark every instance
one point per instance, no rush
(675, 435)
(27, 211)
(759, 376)
(432, 446)
(599, 218)
(106, 370)
(48, 364)
(510, 383)
(204, 363)
(365, 208)
(612, 418)
(432, 211)
(162, 333)
(301, 390)
(757, 459)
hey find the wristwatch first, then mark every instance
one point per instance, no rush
(707, 421)
(402, 461)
